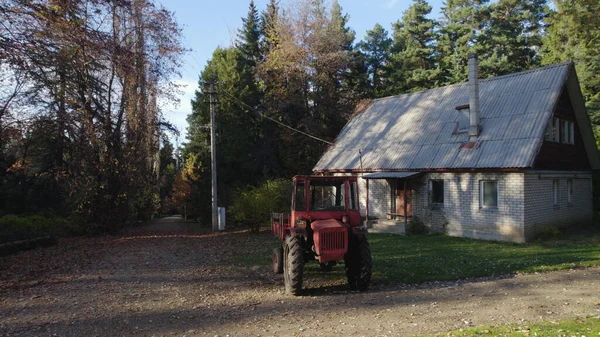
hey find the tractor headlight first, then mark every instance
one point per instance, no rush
(300, 223)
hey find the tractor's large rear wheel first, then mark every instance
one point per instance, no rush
(293, 264)
(358, 265)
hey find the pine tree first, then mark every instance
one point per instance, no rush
(513, 39)
(460, 27)
(412, 65)
(376, 49)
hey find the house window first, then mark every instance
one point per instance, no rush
(488, 197)
(569, 191)
(436, 191)
(567, 135)
(300, 197)
(555, 192)
(555, 130)
(463, 120)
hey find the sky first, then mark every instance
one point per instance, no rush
(210, 24)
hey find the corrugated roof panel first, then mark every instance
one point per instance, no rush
(445, 156)
(521, 126)
(372, 158)
(405, 157)
(466, 158)
(430, 134)
(494, 128)
(492, 153)
(415, 130)
(425, 156)
(548, 77)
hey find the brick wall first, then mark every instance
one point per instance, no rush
(380, 194)
(540, 211)
(461, 214)
(525, 203)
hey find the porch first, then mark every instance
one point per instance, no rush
(396, 215)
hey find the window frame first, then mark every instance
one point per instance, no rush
(555, 192)
(570, 192)
(464, 115)
(555, 130)
(431, 201)
(482, 194)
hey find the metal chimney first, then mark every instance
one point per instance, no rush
(473, 97)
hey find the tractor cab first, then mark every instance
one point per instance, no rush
(319, 198)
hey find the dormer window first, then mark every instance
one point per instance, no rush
(463, 118)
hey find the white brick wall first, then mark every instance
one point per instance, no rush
(380, 195)
(525, 203)
(540, 211)
(460, 215)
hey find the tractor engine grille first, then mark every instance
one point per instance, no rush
(332, 241)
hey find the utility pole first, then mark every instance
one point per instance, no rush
(213, 156)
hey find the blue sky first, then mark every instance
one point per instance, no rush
(209, 24)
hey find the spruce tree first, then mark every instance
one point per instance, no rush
(249, 36)
(573, 35)
(376, 49)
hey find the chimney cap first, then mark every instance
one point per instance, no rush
(472, 55)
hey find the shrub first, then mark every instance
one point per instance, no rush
(253, 205)
(16, 227)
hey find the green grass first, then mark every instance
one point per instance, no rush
(420, 258)
(578, 327)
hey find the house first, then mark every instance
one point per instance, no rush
(503, 158)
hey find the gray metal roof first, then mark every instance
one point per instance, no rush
(390, 175)
(415, 131)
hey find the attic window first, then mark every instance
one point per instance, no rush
(463, 117)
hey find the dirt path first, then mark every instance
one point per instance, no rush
(164, 280)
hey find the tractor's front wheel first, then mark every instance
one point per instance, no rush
(278, 260)
(358, 265)
(293, 264)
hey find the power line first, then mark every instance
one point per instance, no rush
(274, 120)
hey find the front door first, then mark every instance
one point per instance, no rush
(403, 199)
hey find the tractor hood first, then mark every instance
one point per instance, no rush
(317, 225)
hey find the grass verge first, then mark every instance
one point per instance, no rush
(420, 258)
(578, 327)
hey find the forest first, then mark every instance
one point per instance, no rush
(84, 143)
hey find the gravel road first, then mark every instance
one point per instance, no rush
(165, 280)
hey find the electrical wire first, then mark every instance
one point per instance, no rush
(276, 121)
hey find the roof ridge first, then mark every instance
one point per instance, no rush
(489, 79)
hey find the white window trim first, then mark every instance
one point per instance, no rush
(555, 192)
(481, 198)
(555, 130)
(571, 133)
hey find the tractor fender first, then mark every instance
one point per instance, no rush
(359, 232)
(296, 231)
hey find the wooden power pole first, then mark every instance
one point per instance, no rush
(213, 156)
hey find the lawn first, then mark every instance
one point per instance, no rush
(578, 327)
(420, 258)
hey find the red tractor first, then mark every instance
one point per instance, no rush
(324, 225)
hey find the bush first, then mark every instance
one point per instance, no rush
(16, 227)
(254, 205)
